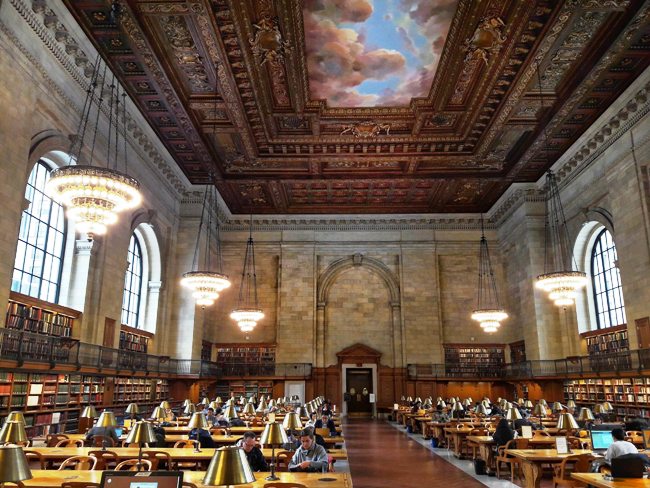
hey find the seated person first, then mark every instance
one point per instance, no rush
(523, 421)
(503, 433)
(312, 420)
(210, 416)
(326, 422)
(237, 422)
(159, 432)
(326, 409)
(310, 457)
(203, 436)
(222, 421)
(108, 432)
(253, 453)
(620, 446)
(169, 415)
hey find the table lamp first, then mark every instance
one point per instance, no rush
(513, 414)
(409, 399)
(251, 399)
(480, 409)
(189, 409)
(599, 409)
(521, 402)
(292, 421)
(230, 412)
(13, 432)
(141, 433)
(186, 402)
(16, 417)
(228, 467)
(89, 412)
(543, 402)
(198, 421)
(218, 400)
(106, 419)
(528, 404)
(249, 409)
(565, 421)
(132, 409)
(441, 403)
(159, 414)
(165, 404)
(571, 404)
(214, 405)
(13, 465)
(467, 402)
(205, 401)
(557, 407)
(585, 414)
(273, 435)
(242, 400)
(539, 411)
(608, 406)
(262, 406)
(403, 398)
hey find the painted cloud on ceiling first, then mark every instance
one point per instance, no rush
(365, 53)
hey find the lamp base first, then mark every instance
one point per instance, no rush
(273, 477)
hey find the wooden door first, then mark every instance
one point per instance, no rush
(359, 388)
(643, 332)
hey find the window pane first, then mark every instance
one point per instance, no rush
(606, 280)
(132, 285)
(40, 241)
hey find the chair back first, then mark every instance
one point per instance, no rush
(520, 443)
(102, 441)
(134, 465)
(185, 444)
(158, 458)
(86, 463)
(105, 459)
(538, 434)
(52, 439)
(35, 456)
(282, 460)
(70, 443)
(479, 432)
(576, 463)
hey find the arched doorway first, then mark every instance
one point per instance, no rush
(358, 366)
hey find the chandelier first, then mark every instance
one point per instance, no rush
(248, 313)
(205, 283)
(489, 313)
(559, 280)
(93, 195)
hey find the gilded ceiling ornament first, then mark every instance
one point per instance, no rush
(268, 43)
(366, 130)
(488, 38)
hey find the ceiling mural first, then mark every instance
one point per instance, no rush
(365, 53)
(360, 106)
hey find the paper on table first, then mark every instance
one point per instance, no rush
(561, 445)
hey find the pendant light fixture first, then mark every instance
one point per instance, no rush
(205, 283)
(489, 312)
(559, 280)
(95, 195)
(248, 313)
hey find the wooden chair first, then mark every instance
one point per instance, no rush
(159, 458)
(187, 484)
(105, 459)
(70, 443)
(540, 434)
(102, 441)
(322, 431)
(280, 484)
(473, 446)
(87, 463)
(52, 439)
(578, 463)
(35, 456)
(282, 460)
(578, 443)
(79, 484)
(505, 458)
(186, 444)
(134, 465)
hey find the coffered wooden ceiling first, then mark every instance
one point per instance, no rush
(226, 85)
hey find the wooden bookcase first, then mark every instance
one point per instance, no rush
(608, 348)
(40, 317)
(518, 352)
(469, 360)
(134, 339)
(237, 388)
(628, 396)
(246, 359)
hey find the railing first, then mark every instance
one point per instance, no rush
(625, 361)
(21, 346)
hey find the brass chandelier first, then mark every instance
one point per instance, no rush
(248, 313)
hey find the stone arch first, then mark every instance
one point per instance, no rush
(387, 277)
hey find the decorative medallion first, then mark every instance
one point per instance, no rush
(366, 130)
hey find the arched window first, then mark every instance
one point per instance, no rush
(39, 254)
(133, 285)
(606, 280)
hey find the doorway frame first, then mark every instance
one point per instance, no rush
(344, 380)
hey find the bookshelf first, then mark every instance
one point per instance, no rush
(485, 360)
(246, 359)
(33, 315)
(237, 388)
(607, 348)
(518, 352)
(628, 396)
(134, 339)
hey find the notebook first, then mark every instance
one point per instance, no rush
(142, 479)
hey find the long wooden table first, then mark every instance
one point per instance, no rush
(597, 480)
(177, 454)
(532, 460)
(233, 430)
(54, 479)
(220, 440)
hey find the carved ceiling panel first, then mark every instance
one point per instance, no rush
(247, 90)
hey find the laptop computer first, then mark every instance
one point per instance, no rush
(627, 466)
(119, 431)
(601, 440)
(142, 479)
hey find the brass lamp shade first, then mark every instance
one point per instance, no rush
(242, 400)
(132, 408)
(213, 405)
(457, 407)
(528, 404)
(165, 404)
(249, 409)
(198, 421)
(189, 409)
(230, 412)
(106, 419)
(271, 403)
(218, 400)
(417, 399)
(585, 414)
(159, 414)
(513, 414)
(441, 404)
(262, 406)
(186, 402)
(566, 421)
(13, 465)
(539, 410)
(13, 432)
(273, 435)
(16, 417)
(205, 401)
(299, 412)
(292, 421)
(543, 402)
(403, 399)
(571, 404)
(608, 406)
(598, 408)
(480, 409)
(409, 399)
(89, 412)
(485, 403)
(141, 433)
(310, 408)
(229, 466)
(557, 407)
(251, 400)
(467, 402)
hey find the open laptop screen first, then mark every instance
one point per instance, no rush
(142, 479)
(601, 439)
